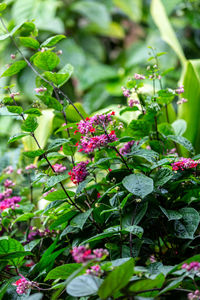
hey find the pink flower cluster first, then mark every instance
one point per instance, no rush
(133, 102)
(23, 285)
(193, 266)
(194, 296)
(89, 144)
(31, 167)
(59, 168)
(8, 170)
(185, 163)
(83, 254)
(87, 125)
(94, 270)
(180, 89)
(126, 148)
(40, 89)
(8, 183)
(182, 100)
(139, 76)
(79, 172)
(126, 92)
(10, 203)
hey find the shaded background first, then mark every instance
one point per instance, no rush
(107, 42)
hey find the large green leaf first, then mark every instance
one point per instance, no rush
(138, 184)
(46, 60)
(187, 226)
(11, 246)
(84, 285)
(15, 68)
(116, 280)
(94, 11)
(160, 18)
(190, 111)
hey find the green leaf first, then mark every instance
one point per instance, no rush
(51, 102)
(56, 78)
(116, 280)
(3, 6)
(80, 220)
(182, 141)
(171, 214)
(134, 229)
(188, 225)
(148, 284)
(162, 176)
(138, 184)
(29, 42)
(94, 11)
(53, 40)
(172, 285)
(17, 137)
(62, 272)
(57, 143)
(33, 154)
(53, 180)
(72, 115)
(16, 254)
(84, 285)
(30, 124)
(56, 195)
(179, 126)
(100, 236)
(160, 18)
(15, 68)
(132, 8)
(15, 109)
(63, 219)
(46, 60)
(23, 218)
(33, 111)
(11, 246)
(140, 212)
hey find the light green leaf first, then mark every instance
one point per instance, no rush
(116, 280)
(29, 42)
(46, 60)
(34, 153)
(162, 176)
(84, 285)
(182, 141)
(132, 8)
(15, 68)
(179, 126)
(160, 18)
(30, 124)
(17, 137)
(53, 40)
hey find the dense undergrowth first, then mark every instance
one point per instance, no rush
(106, 207)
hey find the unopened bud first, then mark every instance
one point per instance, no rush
(12, 56)
(59, 52)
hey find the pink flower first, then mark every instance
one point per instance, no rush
(23, 285)
(83, 254)
(8, 183)
(132, 102)
(19, 171)
(10, 203)
(79, 172)
(185, 163)
(40, 89)
(126, 148)
(193, 266)
(182, 100)
(139, 76)
(31, 166)
(180, 89)
(8, 170)
(59, 168)
(194, 296)
(126, 92)
(94, 270)
(12, 56)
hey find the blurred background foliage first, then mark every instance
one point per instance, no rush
(107, 42)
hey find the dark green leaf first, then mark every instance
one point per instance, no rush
(51, 102)
(138, 184)
(15, 109)
(80, 219)
(162, 176)
(30, 124)
(171, 214)
(33, 111)
(33, 154)
(62, 272)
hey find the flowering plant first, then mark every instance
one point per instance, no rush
(109, 206)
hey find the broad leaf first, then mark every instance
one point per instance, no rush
(46, 60)
(84, 285)
(138, 184)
